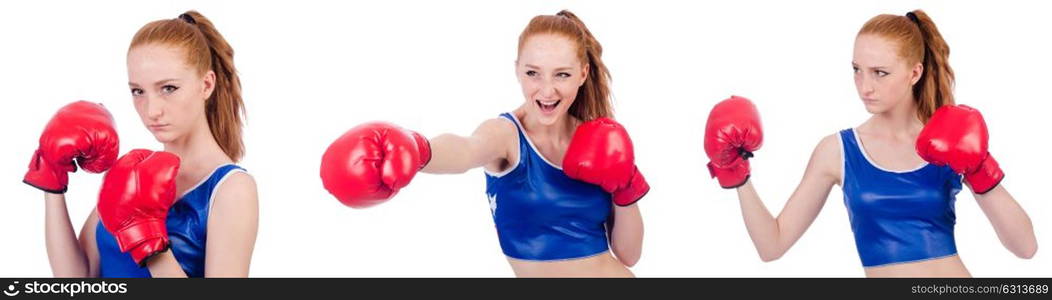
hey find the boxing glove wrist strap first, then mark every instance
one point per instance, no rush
(133, 236)
(43, 176)
(424, 148)
(636, 189)
(986, 176)
(148, 249)
(731, 176)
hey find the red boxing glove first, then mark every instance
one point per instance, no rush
(81, 133)
(732, 133)
(371, 162)
(956, 135)
(601, 154)
(134, 201)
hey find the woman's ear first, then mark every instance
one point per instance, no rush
(916, 73)
(584, 74)
(209, 84)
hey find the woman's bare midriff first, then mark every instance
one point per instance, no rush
(602, 265)
(950, 266)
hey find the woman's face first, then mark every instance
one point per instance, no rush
(550, 74)
(169, 94)
(884, 79)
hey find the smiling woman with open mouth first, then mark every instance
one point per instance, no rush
(560, 172)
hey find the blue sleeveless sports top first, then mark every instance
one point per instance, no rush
(187, 229)
(898, 216)
(541, 214)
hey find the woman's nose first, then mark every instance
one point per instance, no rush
(154, 107)
(548, 89)
(866, 85)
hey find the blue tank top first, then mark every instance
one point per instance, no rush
(898, 216)
(542, 214)
(187, 231)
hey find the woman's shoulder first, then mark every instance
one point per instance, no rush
(237, 187)
(234, 179)
(237, 177)
(827, 152)
(499, 125)
(830, 142)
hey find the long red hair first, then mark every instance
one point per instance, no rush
(919, 41)
(205, 50)
(593, 98)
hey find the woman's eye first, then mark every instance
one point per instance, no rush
(136, 92)
(563, 75)
(882, 73)
(531, 73)
(854, 69)
(168, 89)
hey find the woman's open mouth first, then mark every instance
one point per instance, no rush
(548, 106)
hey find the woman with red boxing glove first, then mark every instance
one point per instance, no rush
(187, 211)
(900, 170)
(560, 173)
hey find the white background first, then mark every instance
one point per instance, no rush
(312, 70)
